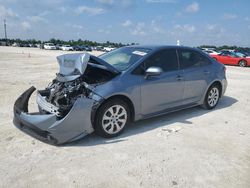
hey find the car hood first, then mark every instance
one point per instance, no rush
(71, 66)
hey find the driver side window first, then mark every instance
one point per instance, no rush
(165, 59)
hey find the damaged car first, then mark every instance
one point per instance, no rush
(104, 94)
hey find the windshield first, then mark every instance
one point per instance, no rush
(240, 54)
(233, 54)
(122, 58)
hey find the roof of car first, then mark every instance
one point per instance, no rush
(157, 47)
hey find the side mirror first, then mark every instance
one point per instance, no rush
(153, 71)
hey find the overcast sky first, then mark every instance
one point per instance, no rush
(214, 22)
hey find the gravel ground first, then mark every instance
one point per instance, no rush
(190, 148)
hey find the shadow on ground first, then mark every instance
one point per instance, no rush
(182, 116)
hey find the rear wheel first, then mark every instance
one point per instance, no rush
(242, 63)
(212, 97)
(112, 118)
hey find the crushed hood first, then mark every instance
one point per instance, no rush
(72, 66)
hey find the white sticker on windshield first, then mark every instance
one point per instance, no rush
(139, 53)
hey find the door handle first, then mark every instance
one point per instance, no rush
(179, 77)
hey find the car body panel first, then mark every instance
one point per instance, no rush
(170, 96)
(196, 81)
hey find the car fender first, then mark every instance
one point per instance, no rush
(127, 88)
(223, 83)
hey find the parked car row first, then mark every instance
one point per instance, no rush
(51, 46)
(25, 45)
(230, 57)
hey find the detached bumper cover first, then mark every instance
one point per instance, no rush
(50, 129)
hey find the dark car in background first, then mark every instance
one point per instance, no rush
(82, 48)
(87, 48)
(77, 48)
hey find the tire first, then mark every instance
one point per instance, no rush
(111, 118)
(242, 63)
(212, 97)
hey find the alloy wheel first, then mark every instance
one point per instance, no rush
(242, 63)
(114, 119)
(213, 97)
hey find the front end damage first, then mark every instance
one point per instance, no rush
(49, 127)
(67, 105)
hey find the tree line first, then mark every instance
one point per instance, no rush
(81, 42)
(78, 42)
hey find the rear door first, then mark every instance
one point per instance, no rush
(196, 70)
(166, 90)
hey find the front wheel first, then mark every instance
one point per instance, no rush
(112, 118)
(212, 97)
(242, 63)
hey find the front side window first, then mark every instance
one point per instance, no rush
(233, 54)
(190, 59)
(165, 59)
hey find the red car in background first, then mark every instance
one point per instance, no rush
(231, 58)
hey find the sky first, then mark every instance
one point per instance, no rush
(193, 23)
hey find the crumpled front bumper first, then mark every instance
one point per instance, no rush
(48, 127)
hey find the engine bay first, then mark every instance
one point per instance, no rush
(63, 92)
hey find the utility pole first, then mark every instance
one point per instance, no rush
(5, 31)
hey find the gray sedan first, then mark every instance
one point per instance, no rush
(104, 94)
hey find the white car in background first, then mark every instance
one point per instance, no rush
(108, 49)
(49, 46)
(67, 48)
(211, 52)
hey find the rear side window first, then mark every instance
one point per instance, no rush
(165, 59)
(191, 59)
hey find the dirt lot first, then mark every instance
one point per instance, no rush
(190, 148)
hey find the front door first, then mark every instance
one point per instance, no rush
(159, 93)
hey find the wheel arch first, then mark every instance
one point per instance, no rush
(218, 83)
(243, 60)
(122, 97)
